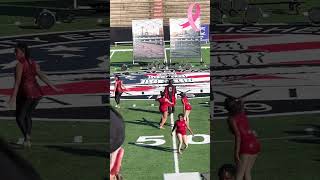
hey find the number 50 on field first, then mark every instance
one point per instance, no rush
(159, 140)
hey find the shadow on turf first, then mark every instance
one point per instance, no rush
(29, 27)
(309, 140)
(145, 122)
(144, 110)
(165, 149)
(80, 151)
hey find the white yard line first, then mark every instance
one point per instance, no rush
(175, 152)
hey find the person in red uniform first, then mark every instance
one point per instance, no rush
(181, 130)
(27, 92)
(163, 108)
(186, 106)
(170, 93)
(247, 146)
(118, 90)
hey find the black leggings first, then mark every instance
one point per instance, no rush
(24, 109)
(117, 97)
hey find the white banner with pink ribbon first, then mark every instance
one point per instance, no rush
(185, 38)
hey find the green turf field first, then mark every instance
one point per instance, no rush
(8, 20)
(125, 57)
(283, 155)
(151, 162)
(278, 13)
(54, 154)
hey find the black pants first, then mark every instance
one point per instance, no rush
(117, 97)
(171, 109)
(24, 109)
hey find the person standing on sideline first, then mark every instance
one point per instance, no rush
(118, 90)
(26, 91)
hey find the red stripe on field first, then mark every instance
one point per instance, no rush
(286, 47)
(83, 87)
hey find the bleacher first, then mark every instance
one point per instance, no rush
(122, 12)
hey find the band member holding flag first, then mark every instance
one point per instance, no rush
(118, 90)
(170, 93)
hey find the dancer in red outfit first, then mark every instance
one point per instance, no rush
(163, 108)
(186, 106)
(118, 90)
(26, 92)
(181, 130)
(170, 93)
(247, 146)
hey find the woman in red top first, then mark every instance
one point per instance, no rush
(181, 130)
(170, 92)
(247, 146)
(118, 90)
(26, 92)
(186, 106)
(163, 108)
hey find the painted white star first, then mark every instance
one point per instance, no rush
(64, 48)
(103, 63)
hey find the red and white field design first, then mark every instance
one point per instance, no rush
(150, 84)
(283, 67)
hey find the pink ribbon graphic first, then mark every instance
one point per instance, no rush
(192, 18)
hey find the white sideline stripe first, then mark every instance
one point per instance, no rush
(126, 50)
(112, 54)
(276, 138)
(175, 152)
(276, 114)
(60, 120)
